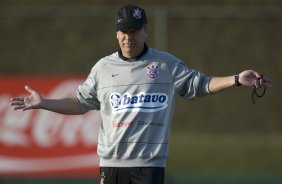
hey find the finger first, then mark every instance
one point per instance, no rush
(256, 84)
(19, 107)
(260, 81)
(29, 89)
(17, 99)
(261, 76)
(28, 108)
(266, 82)
(17, 103)
(258, 75)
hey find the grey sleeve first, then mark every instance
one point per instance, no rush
(189, 83)
(87, 94)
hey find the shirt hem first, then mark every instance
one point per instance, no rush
(135, 162)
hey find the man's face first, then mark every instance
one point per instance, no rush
(132, 41)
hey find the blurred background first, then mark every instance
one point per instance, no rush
(219, 139)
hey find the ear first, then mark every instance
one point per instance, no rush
(146, 29)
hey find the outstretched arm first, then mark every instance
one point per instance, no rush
(36, 101)
(246, 78)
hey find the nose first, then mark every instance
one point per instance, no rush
(129, 36)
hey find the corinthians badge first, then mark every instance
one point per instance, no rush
(153, 71)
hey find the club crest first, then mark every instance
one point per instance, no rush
(137, 13)
(115, 100)
(153, 71)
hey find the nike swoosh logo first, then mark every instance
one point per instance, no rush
(114, 75)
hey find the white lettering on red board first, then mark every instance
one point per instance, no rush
(47, 128)
(41, 129)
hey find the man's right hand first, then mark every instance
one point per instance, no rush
(33, 101)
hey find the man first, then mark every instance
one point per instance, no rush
(135, 90)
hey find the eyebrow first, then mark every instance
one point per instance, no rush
(129, 30)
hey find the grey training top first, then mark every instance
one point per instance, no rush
(136, 99)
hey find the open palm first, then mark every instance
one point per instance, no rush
(33, 101)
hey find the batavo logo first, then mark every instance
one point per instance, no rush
(145, 102)
(40, 142)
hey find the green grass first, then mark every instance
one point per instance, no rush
(207, 154)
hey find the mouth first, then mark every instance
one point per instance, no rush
(128, 44)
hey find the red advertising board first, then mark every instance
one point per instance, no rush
(44, 143)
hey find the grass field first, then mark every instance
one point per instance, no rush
(225, 155)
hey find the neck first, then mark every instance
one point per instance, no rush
(126, 57)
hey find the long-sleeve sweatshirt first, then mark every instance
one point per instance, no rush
(136, 99)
